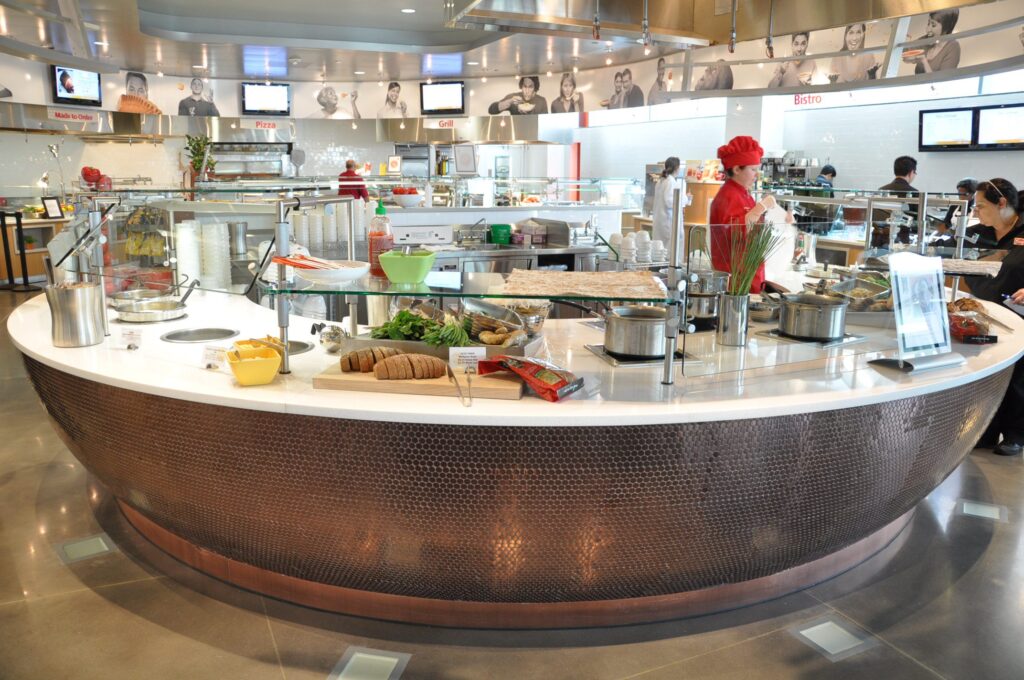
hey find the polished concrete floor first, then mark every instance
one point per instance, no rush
(946, 600)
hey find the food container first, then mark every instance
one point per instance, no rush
(501, 233)
(806, 316)
(254, 366)
(77, 314)
(635, 332)
(486, 316)
(411, 268)
(407, 200)
(347, 270)
(709, 282)
(533, 312)
(763, 311)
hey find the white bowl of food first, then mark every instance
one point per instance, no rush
(342, 272)
(408, 200)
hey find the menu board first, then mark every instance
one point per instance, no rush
(267, 99)
(1001, 127)
(445, 98)
(948, 129)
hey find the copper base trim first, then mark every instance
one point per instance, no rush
(511, 615)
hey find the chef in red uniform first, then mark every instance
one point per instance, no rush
(734, 207)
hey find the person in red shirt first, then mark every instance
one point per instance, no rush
(734, 207)
(351, 183)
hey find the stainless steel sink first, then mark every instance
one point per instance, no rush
(298, 347)
(199, 335)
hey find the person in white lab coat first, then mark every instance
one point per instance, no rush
(664, 192)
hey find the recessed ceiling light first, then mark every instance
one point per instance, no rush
(408, 10)
(359, 73)
(608, 61)
(101, 43)
(484, 79)
(472, 63)
(199, 66)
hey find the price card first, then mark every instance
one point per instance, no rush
(131, 338)
(213, 358)
(465, 359)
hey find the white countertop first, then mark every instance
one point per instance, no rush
(766, 378)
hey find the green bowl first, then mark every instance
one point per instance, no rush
(411, 268)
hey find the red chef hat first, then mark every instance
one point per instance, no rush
(741, 150)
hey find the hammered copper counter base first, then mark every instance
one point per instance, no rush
(514, 518)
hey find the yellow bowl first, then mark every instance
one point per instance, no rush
(254, 366)
(250, 344)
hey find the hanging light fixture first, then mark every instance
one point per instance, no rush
(769, 47)
(645, 32)
(597, 20)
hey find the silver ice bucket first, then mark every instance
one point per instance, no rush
(76, 310)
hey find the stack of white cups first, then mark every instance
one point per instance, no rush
(216, 269)
(343, 219)
(315, 223)
(330, 227)
(300, 227)
(188, 248)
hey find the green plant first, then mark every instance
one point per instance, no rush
(405, 326)
(750, 248)
(452, 334)
(196, 147)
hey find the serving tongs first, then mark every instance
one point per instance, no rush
(466, 400)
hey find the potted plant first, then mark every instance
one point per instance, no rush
(750, 248)
(196, 148)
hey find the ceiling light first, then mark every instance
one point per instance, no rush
(429, 80)
(101, 43)
(408, 10)
(647, 51)
(502, 122)
(608, 43)
(484, 79)
(354, 126)
(380, 83)
(549, 74)
(401, 126)
(472, 63)
(159, 74)
(472, 92)
(359, 73)
(608, 61)
(28, 76)
(575, 69)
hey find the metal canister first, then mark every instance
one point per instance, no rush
(239, 248)
(77, 314)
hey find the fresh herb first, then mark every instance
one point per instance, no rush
(405, 326)
(751, 246)
(452, 334)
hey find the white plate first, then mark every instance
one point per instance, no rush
(349, 271)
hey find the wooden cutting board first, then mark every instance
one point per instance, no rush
(491, 386)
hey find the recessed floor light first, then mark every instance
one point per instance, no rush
(408, 10)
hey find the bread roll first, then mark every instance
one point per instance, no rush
(409, 366)
(363, 360)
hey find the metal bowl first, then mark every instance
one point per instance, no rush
(486, 316)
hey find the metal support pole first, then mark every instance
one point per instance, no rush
(352, 300)
(11, 281)
(961, 232)
(283, 302)
(922, 222)
(95, 222)
(671, 338)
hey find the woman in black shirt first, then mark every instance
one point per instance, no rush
(999, 204)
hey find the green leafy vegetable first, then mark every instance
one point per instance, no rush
(405, 326)
(452, 334)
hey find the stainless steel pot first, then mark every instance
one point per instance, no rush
(635, 332)
(709, 282)
(702, 305)
(807, 316)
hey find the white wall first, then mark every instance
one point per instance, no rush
(624, 150)
(862, 141)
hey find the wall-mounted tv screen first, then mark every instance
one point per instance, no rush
(74, 86)
(266, 99)
(946, 130)
(446, 98)
(1001, 127)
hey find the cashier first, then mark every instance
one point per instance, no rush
(999, 203)
(734, 207)
(664, 195)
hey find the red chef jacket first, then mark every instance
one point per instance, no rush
(352, 190)
(730, 207)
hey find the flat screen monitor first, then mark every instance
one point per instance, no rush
(266, 99)
(1001, 127)
(75, 86)
(946, 130)
(445, 98)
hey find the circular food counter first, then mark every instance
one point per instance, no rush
(766, 469)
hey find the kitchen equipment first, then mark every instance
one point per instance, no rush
(295, 347)
(633, 331)
(407, 200)
(77, 314)
(138, 295)
(155, 310)
(343, 272)
(808, 316)
(501, 233)
(331, 337)
(464, 400)
(441, 234)
(709, 281)
(409, 269)
(254, 366)
(763, 311)
(491, 386)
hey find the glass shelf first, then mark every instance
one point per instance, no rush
(444, 284)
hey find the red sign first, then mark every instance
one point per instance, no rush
(73, 115)
(806, 99)
(257, 124)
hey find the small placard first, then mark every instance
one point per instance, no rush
(213, 357)
(465, 359)
(131, 338)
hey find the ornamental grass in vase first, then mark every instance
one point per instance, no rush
(750, 248)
